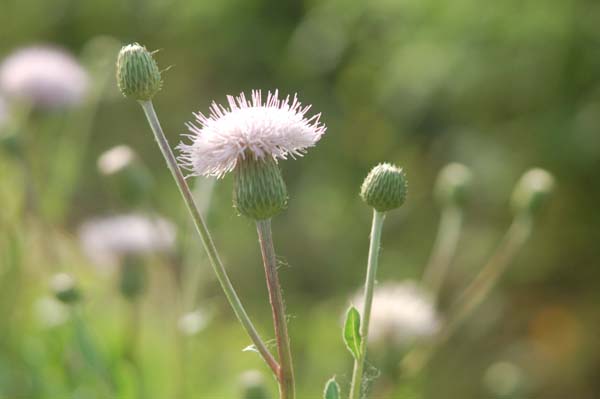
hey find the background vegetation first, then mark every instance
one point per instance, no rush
(500, 87)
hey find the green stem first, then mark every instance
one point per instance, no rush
(88, 350)
(131, 343)
(443, 249)
(482, 284)
(514, 239)
(206, 238)
(374, 247)
(286, 375)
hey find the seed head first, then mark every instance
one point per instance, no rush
(532, 190)
(138, 75)
(385, 187)
(452, 184)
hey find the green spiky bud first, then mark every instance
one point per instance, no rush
(532, 190)
(65, 289)
(138, 75)
(385, 187)
(259, 191)
(452, 184)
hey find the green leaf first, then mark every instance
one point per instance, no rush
(332, 390)
(352, 332)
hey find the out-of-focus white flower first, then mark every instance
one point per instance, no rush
(401, 313)
(115, 159)
(193, 322)
(275, 129)
(45, 76)
(50, 312)
(107, 240)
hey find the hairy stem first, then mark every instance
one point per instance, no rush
(443, 249)
(286, 375)
(374, 247)
(206, 238)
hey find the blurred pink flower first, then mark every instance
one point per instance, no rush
(45, 76)
(402, 313)
(107, 240)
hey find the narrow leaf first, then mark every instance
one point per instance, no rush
(332, 390)
(250, 348)
(352, 332)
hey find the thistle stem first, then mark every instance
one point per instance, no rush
(206, 238)
(476, 292)
(286, 375)
(374, 248)
(482, 284)
(443, 250)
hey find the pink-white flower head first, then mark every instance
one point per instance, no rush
(276, 128)
(107, 240)
(45, 76)
(402, 312)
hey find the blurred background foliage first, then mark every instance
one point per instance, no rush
(500, 87)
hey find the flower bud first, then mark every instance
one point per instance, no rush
(126, 174)
(138, 75)
(452, 184)
(532, 190)
(253, 385)
(64, 288)
(385, 187)
(259, 191)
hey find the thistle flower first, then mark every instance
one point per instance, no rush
(401, 313)
(107, 241)
(45, 76)
(274, 129)
(250, 137)
(115, 159)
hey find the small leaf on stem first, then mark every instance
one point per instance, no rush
(352, 336)
(332, 390)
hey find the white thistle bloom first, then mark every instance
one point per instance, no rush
(45, 76)
(401, 313)
(115, 159)
(276, 128)
(107, 240)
